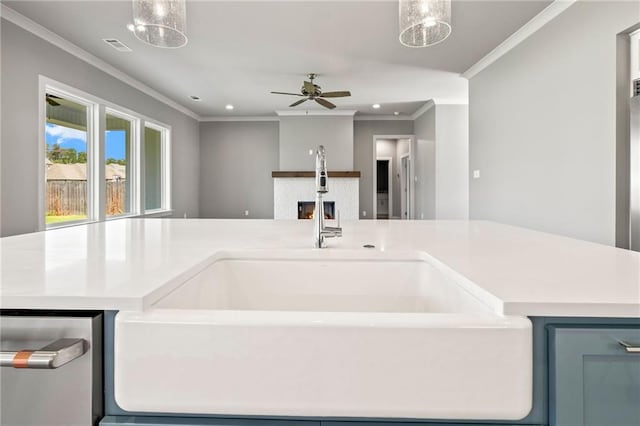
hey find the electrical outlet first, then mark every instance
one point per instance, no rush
(364, 213)
(476, 174)
(311, 152)
(421, 215)
(246, 212)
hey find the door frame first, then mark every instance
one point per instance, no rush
(389, 185)
(406, 180)
(374, 188)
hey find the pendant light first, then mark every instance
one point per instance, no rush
(160, 23)
(424, 22)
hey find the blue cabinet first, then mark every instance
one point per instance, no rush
(593, 380)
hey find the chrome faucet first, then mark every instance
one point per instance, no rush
(320, 232)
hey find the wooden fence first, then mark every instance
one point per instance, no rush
(69, 197)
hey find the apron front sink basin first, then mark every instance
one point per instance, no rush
(325, 334)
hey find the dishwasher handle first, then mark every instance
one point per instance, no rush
(51, 356)
(630, 347)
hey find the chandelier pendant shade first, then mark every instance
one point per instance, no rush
(160, 23)
(424, 23)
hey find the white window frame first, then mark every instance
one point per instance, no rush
(92, 153)
(96, 133)
(134, 164)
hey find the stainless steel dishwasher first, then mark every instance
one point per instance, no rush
(51, 368)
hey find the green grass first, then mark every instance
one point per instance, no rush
(57, 219)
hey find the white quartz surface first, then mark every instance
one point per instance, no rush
(129, 264)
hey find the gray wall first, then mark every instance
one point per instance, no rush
(363, 153)
(452, 162)
(425, 186)
(236, 161)
(299, 134)
(543, 126)
(24, 56)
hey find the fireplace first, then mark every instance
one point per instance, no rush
(306, 209)
(290, 189)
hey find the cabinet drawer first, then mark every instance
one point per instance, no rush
(593, 379)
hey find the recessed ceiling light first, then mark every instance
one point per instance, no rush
(195, 98)
(376, 106)
(229, 107)
(396, 113)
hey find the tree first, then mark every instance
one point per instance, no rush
(69, 156)
(122, 161)
(55, 154)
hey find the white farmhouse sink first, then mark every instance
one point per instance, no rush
(325, 333)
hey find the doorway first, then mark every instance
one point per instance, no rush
(384, 188)
(393, 189)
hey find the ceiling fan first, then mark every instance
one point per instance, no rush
(311, 91)
(51, 101)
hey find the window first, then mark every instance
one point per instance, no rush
(119, 173)
(91, 174)
(68, 173)
(154, 151)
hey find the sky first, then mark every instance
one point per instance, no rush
(67, 137)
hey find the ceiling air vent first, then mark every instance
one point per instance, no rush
(117, 44)
(636, 87)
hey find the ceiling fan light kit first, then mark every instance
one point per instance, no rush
(160, 23)
(311, 91)
(424, 23)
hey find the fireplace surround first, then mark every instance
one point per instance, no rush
(289, 191)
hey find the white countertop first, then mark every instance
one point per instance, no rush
(129, 264)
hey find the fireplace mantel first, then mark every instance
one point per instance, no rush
(301, 174)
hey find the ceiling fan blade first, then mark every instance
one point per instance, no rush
(339, 94)
(298, 102)
(325, 103)
(309, 87)
(285, 93)
(50, 99)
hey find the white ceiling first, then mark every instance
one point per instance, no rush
(239, 51)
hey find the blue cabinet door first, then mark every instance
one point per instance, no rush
(593, 380)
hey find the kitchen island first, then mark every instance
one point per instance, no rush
(560, 284)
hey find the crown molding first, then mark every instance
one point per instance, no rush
(537, 22)
(342, 112)
(424, 108)
(372, 117)
(64, 44)
(239, 118)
